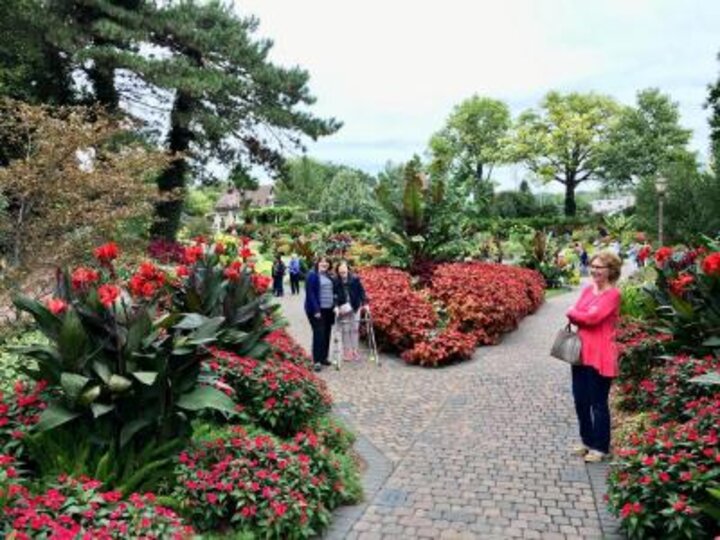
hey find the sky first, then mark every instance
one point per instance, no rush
(392, 70)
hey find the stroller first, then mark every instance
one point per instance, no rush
(366, 326)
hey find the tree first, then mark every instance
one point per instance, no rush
(645, 139)
(303, 182)
(348, 196)
(32, 67)
(564, 140)
(713, 103)
(691, 206)
(201, 62)
(231, 102)
(57, 201)
(471, 144)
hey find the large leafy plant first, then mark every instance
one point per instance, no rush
(219, 282)
(123, 372)
(687, 296)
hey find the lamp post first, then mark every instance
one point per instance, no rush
(661, 188)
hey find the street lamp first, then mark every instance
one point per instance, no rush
(661, 188)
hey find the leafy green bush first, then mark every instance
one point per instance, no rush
(12, 362)
(636, 303)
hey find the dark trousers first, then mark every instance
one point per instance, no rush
(591, 391)
(295, 283)
(322, 328)
(278, 285)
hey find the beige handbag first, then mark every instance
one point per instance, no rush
(567, 346)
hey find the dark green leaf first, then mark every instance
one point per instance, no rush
(206, 397)
(54, 416)
(131, 428)
(72, 384)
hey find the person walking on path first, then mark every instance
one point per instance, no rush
(294, 270)
(320, 288)
(351, 301)
(596, 314)
(278, 274)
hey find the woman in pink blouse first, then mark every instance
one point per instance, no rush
(596, 314)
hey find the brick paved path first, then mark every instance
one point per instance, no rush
(477, 450)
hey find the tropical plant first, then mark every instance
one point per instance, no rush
(120, 374)
(422, 225)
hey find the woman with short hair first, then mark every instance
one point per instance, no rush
(351, 299)
(596, 314)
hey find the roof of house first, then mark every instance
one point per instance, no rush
(233, 198)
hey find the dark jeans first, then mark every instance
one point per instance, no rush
(591, 390)
(295, 283)
(278, 285)
(322, 328)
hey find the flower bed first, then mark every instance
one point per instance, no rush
(251, 483)
(80, 509)
(122, 388)
(664, 474)
(462, 306)
(277, 394)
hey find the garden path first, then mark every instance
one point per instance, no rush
(476, 450)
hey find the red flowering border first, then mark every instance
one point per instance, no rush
(481, 302)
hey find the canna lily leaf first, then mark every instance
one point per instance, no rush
(55, 415)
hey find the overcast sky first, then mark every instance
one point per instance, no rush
(392, 70)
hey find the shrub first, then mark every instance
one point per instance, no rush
(640, 349)
(669, 389)
(284, 347)
(19, 412)
(79, 509)
(476, 304)
(660, 483)
(401, 316)
(12, 363)
(278, 394)
(258, 484)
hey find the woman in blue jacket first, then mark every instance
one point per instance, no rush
(320, 309)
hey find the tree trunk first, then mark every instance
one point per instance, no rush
(169, 209)
(570, 207)
(102, 75)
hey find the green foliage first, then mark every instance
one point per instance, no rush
(564, 140)
(645, 139)
(469, 146)
(636, 303)
(713, 103)
(423, 225)
(691, 205)
(12, 363)
(347, 196)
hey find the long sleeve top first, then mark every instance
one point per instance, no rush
(596, 317)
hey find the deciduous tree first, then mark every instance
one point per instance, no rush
(563, 141)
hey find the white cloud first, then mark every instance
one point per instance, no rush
(392, 70)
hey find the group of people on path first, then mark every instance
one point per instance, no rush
(334, 296)
(278, 275)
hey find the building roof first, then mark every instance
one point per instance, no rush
(233, 199)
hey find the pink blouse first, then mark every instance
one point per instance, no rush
(596, 316)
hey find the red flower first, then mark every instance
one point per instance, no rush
(57, 306)
(233, 272)
(664, 477)
(182, 271)
(108, 294)
(192, 254)
(679, 506)
(279, 508)
(246, 253)
(107, 253)
(83, 277)
(679, 285)
(662, 255)
(630, 509)
(219, 248)
(711, 264)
